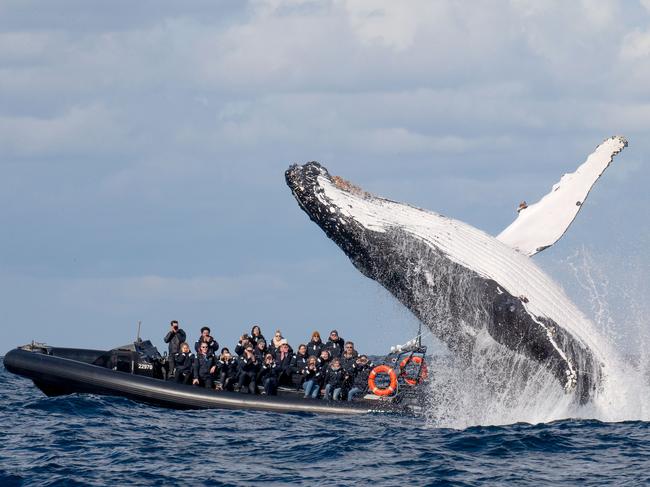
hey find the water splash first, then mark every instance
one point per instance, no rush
(497, 386)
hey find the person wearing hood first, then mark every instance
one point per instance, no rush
(260, 350)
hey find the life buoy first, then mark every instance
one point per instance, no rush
(378, 391)
(424, 371)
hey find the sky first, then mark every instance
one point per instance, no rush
(143, 147)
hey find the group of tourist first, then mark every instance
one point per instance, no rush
(333, 368)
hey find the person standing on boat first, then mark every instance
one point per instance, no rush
(174, 337)
(213, 345)
(205, 366)
(335, 344)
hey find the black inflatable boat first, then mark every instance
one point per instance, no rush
(137, 372)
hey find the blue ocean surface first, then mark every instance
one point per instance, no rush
(94, 440)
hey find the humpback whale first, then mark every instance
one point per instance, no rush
(458, 280)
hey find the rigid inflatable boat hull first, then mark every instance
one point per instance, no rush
(57, 375)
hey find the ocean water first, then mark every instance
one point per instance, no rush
(94, 440)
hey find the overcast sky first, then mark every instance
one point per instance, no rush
(143, 148)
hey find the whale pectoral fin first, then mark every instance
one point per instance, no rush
(540, 225)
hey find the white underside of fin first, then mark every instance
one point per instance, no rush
(540, 225)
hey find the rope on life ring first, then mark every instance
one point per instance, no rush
(424, 371)
(378, 391)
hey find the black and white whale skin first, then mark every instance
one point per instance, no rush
(461, 282)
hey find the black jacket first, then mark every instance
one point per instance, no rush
(203, 364)
(256, 339)
(334, 378)
(347, 363)
(248, 366)
(314, 348)
(175, 338)
(361, 373)
(268, 370)
(335, 347)
(322, 364)
(213, 345)
(228, 367)
(313, 374)
(240, 348)
(298, 363)
(183, 362)
(284, 364)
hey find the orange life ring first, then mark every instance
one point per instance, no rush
(424, 371)
(382, 369)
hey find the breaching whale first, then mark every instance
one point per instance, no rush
(460, 281)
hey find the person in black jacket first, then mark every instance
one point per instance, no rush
(268, 375)
(324, 359)
(243, 343)
(183, 364)
(228, 369)
(298, 363)
(335, 344)
(248, 367)
(213, 345)
(361, 371)
(205, 366)
(283, 356)
(334, 379)
(260, 350)
(315, 345)
(313, 378)
(256, 334)
(348, 357)
(174, 337)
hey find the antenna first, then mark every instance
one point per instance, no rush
(420, 334)
(137, 338)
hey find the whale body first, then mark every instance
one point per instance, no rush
(460, 281)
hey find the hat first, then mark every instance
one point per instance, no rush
(334, 331)
(283, 342)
